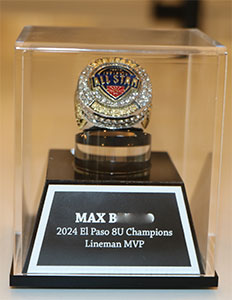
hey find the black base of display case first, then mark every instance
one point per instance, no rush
(111, 282)
(162, 173)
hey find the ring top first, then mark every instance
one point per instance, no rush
(113, 93)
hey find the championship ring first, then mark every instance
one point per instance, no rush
(113, 93)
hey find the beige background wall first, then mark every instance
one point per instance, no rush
(215, 20)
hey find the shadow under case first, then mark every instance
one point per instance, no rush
(130, 199)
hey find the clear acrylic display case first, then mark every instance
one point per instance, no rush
(188, 74)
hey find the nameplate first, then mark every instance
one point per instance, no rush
(113, 230)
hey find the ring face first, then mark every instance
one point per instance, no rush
(115, 82)
(113, 93)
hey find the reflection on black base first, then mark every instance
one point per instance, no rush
(114, 152)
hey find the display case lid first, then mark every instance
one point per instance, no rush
(77, 39)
